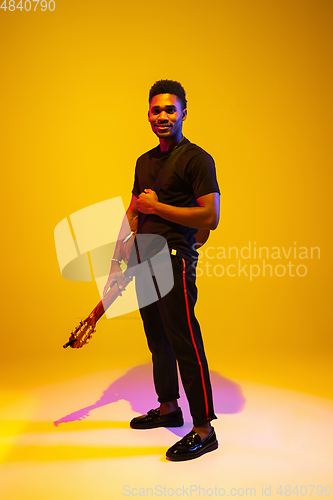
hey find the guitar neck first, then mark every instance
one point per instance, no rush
(108, 299)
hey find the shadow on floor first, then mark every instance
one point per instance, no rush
(137, 387)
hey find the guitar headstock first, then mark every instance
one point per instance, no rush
(81, 334)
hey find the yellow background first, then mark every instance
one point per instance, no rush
(74, 86)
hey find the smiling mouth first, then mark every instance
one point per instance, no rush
(163, 127)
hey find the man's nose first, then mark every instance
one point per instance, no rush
(163, 116)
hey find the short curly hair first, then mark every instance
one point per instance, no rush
(168, 87)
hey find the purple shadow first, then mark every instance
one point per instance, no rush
(137, 387)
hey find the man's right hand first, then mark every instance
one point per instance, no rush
(115, 276)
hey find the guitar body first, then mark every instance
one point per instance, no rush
(201, 237)
(83, 332)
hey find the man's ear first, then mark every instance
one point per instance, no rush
(184, 114)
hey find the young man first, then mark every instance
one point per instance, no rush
(187, 200)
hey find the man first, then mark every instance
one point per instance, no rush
(187, 200)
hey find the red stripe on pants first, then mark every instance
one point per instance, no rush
(195, 347)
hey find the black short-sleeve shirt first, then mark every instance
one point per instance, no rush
(191, 176)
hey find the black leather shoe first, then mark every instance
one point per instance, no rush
(154, 419)
(192, 446)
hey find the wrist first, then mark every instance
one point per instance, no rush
(116, 261)
(156, 207)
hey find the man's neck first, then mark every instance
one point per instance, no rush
(168, 144)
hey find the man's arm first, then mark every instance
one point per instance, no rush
(205, 216)
(133, 214)
(131, 218)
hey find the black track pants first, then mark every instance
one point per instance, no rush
(173, 333)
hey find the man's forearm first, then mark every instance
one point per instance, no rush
(131, 220)
(196, 217)
(203, 216)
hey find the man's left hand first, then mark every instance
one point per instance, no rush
(147, 201)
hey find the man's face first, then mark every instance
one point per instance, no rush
(166, 115)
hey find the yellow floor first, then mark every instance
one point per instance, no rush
(72, 439)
